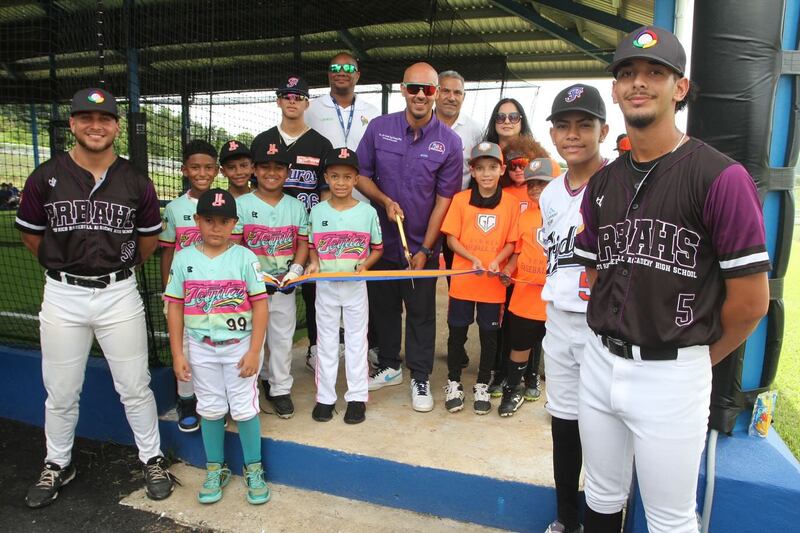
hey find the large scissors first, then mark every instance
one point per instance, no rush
(404, 242)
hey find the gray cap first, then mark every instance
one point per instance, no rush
(649, 42)
(94, 99)
(543, 169)
(486, 149)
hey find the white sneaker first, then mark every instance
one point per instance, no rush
(482, 401)
(311, 359)
(454, 396)
(372, 357)
(421, 397)
(384, 377)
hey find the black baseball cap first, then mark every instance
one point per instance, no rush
(94, 99)
(579, 97)
(264, 150)
(650, 42)
(293, 85)
(341, 156)
(217, 202)
(233, 148)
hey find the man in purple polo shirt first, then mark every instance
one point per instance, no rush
(411, 166)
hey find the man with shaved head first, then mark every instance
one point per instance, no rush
(411, 166)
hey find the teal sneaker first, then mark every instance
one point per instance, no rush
(257, 490)
(217, 476)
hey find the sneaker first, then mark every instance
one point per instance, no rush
(558, 527)
(453, 396)
(372, 356)
(258, 491)
(496, 386)
(188, 420)
(217, 476)
(283, 405)
(533, 389)
(311, 358)
(512, 399)
(323, 412)
(355, 413)
(158, 481)
(45, 491)
(482, 401)
(421, 397)
(385, 376)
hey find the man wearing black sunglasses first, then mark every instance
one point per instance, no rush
(411, 166)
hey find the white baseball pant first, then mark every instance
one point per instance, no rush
(655, 412)
(185, 388)
(70, 317)
(277, 366)
(217, 383)
(345, 300)
(563, 344)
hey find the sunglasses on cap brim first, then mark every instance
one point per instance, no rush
(293, 97)
(343, 67)
(428, 89)
(513, 117)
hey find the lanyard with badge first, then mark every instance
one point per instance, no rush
(341, 120)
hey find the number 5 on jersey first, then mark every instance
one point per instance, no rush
(583, 287)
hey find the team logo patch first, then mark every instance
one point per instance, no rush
(573, 94)
(291, 82)
(127, 251)
(96, 98)
(487, 222)
(273, 149)
(436, 146)
(646, 39)
(484, 147)
(535, 164)
(52, 182)
(343, 153)
(308, 160)
(218, 200)
(233, 145)
(364, 120)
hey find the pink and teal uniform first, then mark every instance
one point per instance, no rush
(179, 228)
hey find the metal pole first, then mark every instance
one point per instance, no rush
(386, 89)
(35, 135)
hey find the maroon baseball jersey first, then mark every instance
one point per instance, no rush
(663, 254)
(88, 228)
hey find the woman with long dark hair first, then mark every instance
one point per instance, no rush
(507, 122)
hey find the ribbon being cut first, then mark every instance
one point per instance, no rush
(376, 275)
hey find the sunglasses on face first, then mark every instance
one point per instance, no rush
(414, 88)
(292, 97)
(518, 163)
(346, 67)
(512, 117)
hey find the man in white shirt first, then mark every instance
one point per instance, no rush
(340, 116)
(448, 110)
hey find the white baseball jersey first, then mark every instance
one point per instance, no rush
(566, 286)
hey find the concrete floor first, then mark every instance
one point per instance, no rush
(515, 448)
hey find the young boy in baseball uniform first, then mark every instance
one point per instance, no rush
(180, 231)
(526, 310)
(217, 297)
(236, 164)
(482, 229)
(274, 225)
(344, 236)
(578, 117)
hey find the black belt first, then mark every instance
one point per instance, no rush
(624, 349)
(99, 282)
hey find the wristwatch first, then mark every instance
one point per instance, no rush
(427, 251)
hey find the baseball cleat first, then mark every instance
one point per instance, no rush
(217, 476)
(533, 389)
(496, 386)
(188, 421)
(482, 403)
(258, 492)
(355, 413)
(52, 478)
(512, 400)
(283, 405)
(158, 481)
(453, 396)
(558, 527)
(323, 412)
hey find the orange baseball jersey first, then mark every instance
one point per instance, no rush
(483, 231)
(526, 300)
(520, 192)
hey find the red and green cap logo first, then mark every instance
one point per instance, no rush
(646, 39)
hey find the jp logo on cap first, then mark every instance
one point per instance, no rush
(217, 202)
(341, 156)
(233, 148)
(579, 97)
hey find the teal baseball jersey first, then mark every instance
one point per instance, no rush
(272, 233)
(216, 293)
(179, 229)
(343, 239)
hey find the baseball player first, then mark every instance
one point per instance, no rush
(675, 251)
(578, 117)
(217, 299)
(274, 225)
(236, 164)
(344, 236)
(526, 311)
(180, 231)
(307, 148)
(482, 228)
(90, 217)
